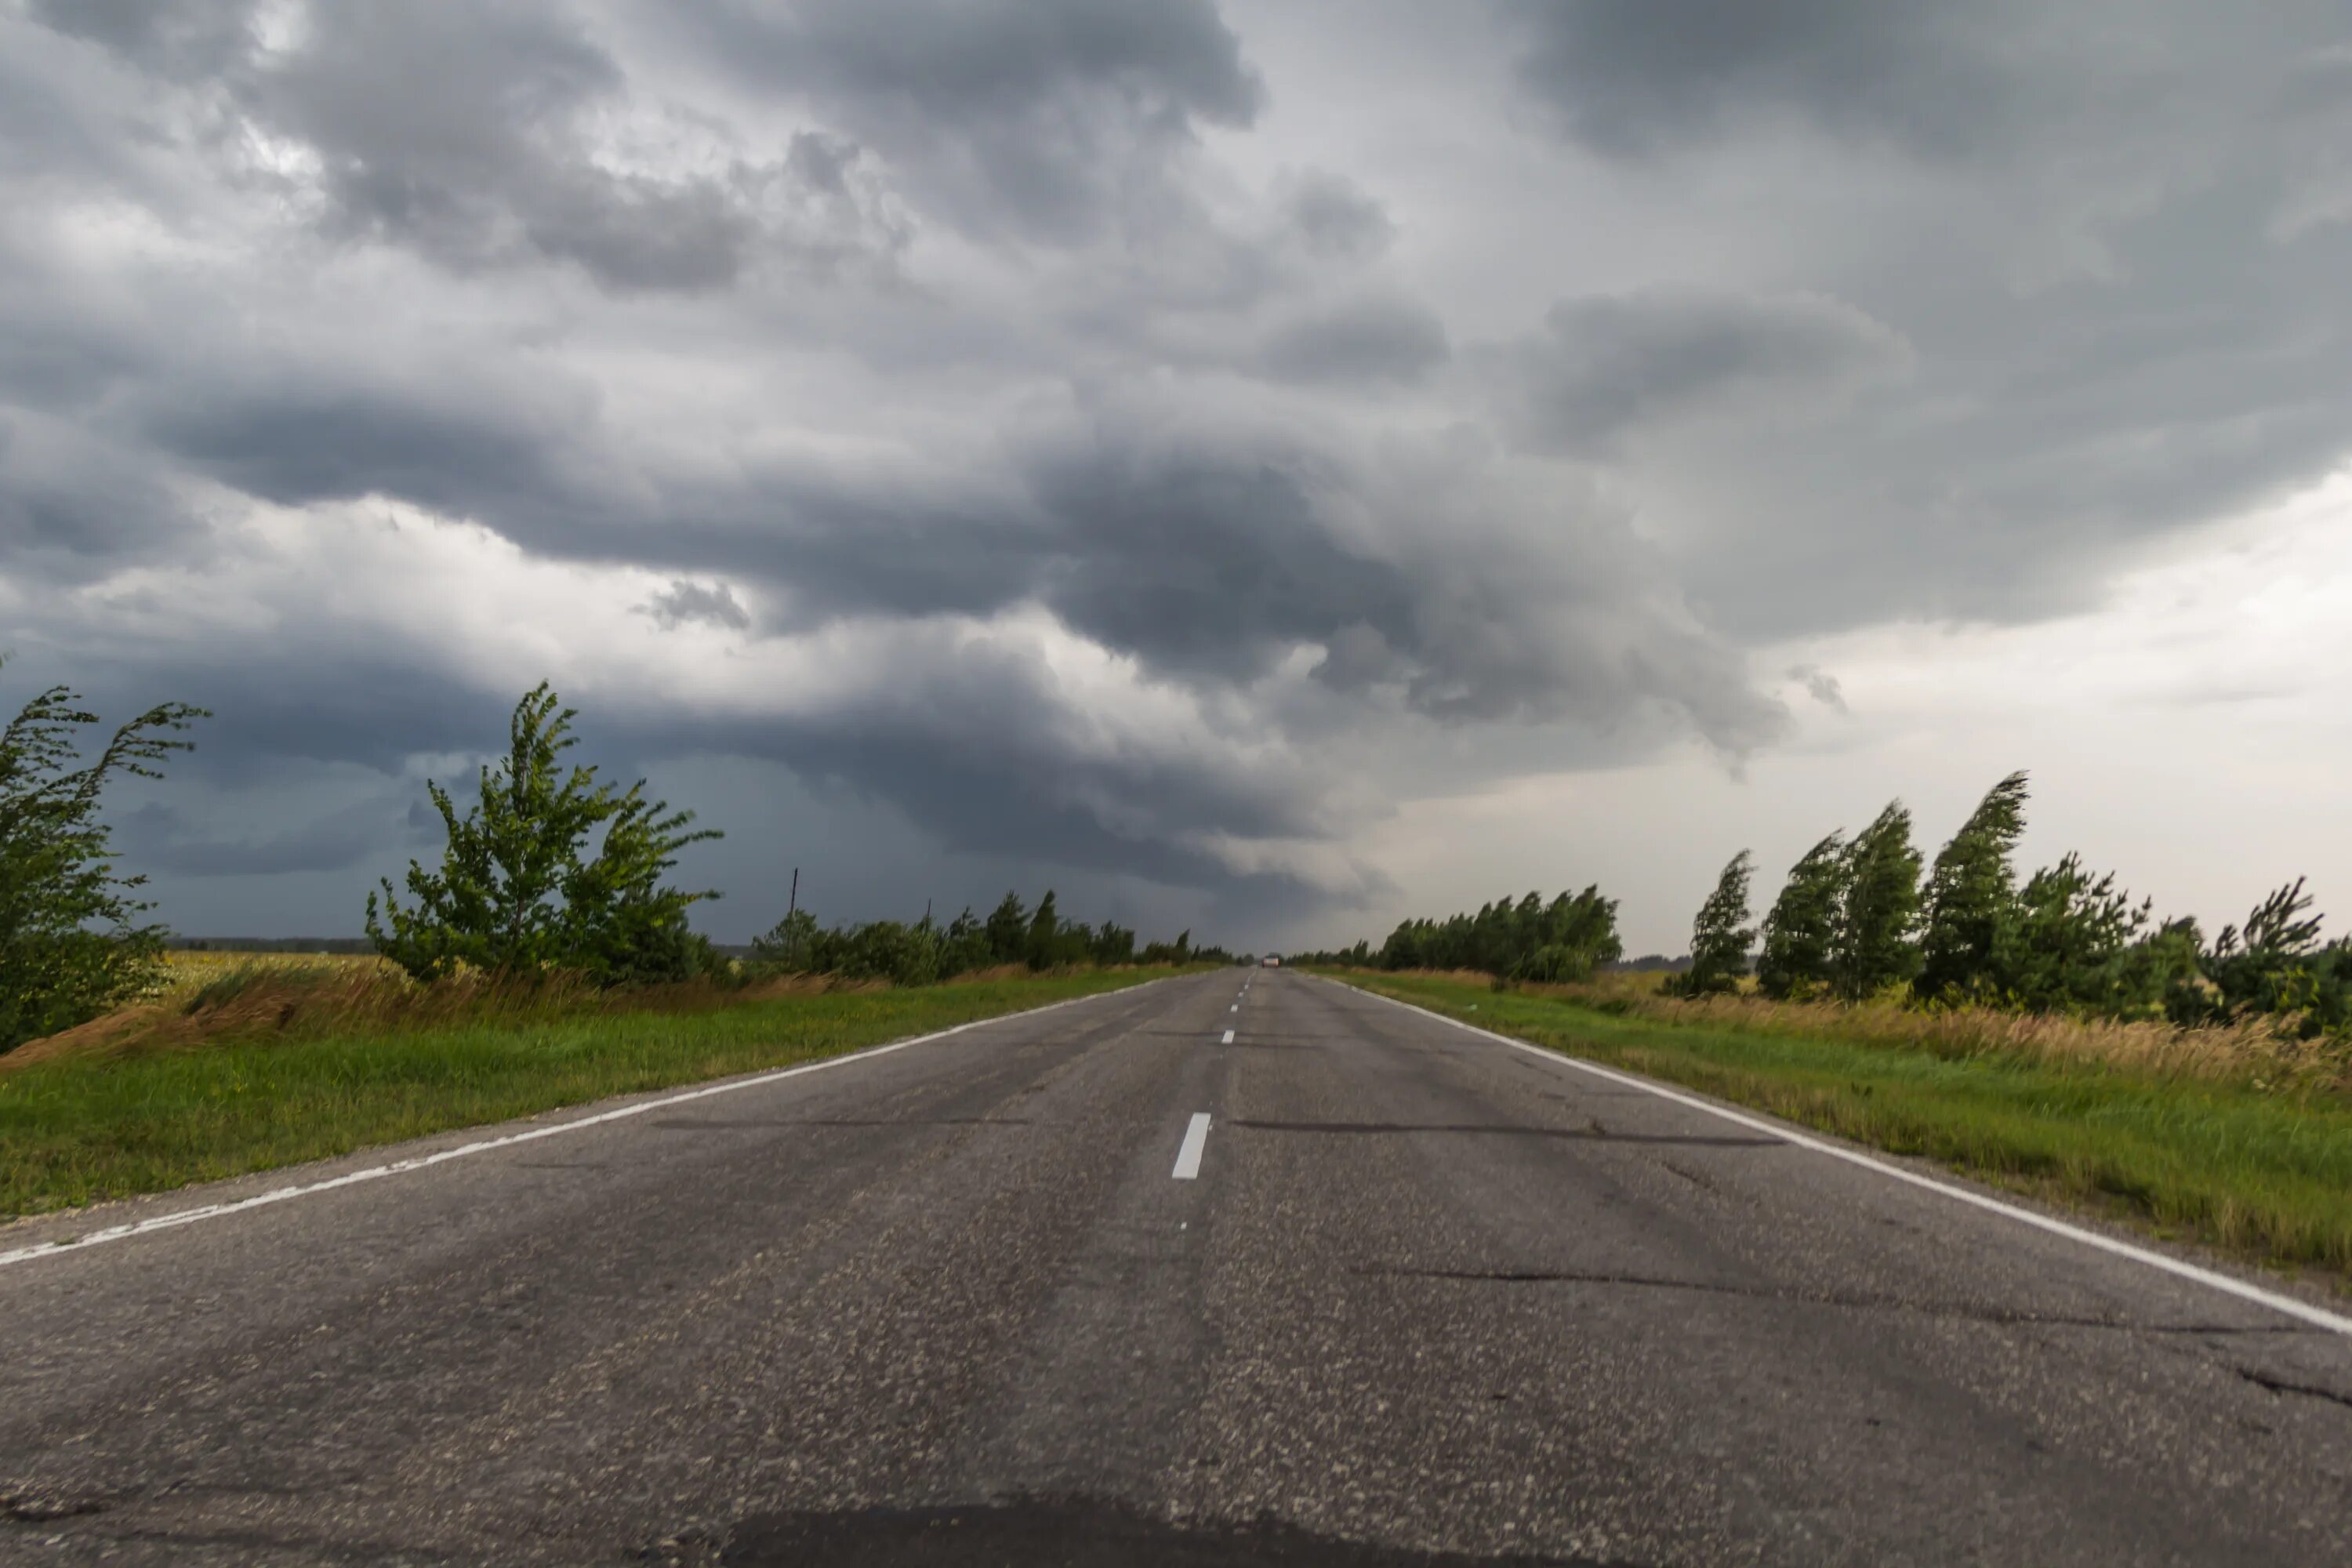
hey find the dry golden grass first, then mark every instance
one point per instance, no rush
(187, 971)
(2254, 1052)
(219, 997)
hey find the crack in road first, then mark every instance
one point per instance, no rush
(1595, 1132)
(1798, 1298)
(2282, 1386)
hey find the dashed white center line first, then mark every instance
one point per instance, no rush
(1196, 1140)
(1228, 1039)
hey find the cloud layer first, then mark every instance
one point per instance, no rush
(1035, 420)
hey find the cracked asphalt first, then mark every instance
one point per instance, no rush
(1429, 1300)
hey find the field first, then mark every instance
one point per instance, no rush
(2238, 1142)
(245, 1066)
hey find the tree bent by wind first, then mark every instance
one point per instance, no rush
(549, 869)
(72, 942)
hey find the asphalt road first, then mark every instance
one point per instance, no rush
(1428, 1298)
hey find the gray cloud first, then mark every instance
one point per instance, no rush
(1601, 366)
(1629, 77)
(1336, 216)
(187, 38)
(460, 132)
(1032, 116)
(1075, 455)
(1362, 343)
(683, 602)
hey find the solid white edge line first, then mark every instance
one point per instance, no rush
(2318, 1317)
(68, 1245)
(1188, 1155)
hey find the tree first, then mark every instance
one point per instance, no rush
(1522, 939)
(789, 945)
(1803, 924)
(2276, 966)
(2070, 945)
(1720, 936)
(516, 891)
(1971, 896)
(57, 879)
(1008, 930)
(1878, 911)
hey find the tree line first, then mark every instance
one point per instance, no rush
(1868, 916)
(1863, 916)
(1524, 938)
(925, 951)
(548, 868)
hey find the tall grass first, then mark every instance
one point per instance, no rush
(2254, 1053)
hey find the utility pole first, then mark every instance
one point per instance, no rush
(794, 907)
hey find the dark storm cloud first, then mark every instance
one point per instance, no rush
(157, 836)
(922, 329)
(1603, 365)
(1033, 116)
(972, 745)
(292, 443)
(1629, 77)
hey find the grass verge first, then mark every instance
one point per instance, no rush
(2264, 1174)
(82, 1129)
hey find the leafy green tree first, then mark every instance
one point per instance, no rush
(519, 890)
(1878, 913)
(58, 878)
(1971, 897)
(1720, 936)
(1803, 924)
(2070, 945)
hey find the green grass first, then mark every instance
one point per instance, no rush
(80, 1130)
(2267, 1176)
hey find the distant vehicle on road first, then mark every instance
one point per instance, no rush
(1271, 961)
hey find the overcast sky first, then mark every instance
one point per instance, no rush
(1272, 466)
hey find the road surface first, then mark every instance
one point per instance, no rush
(1097, 1285)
